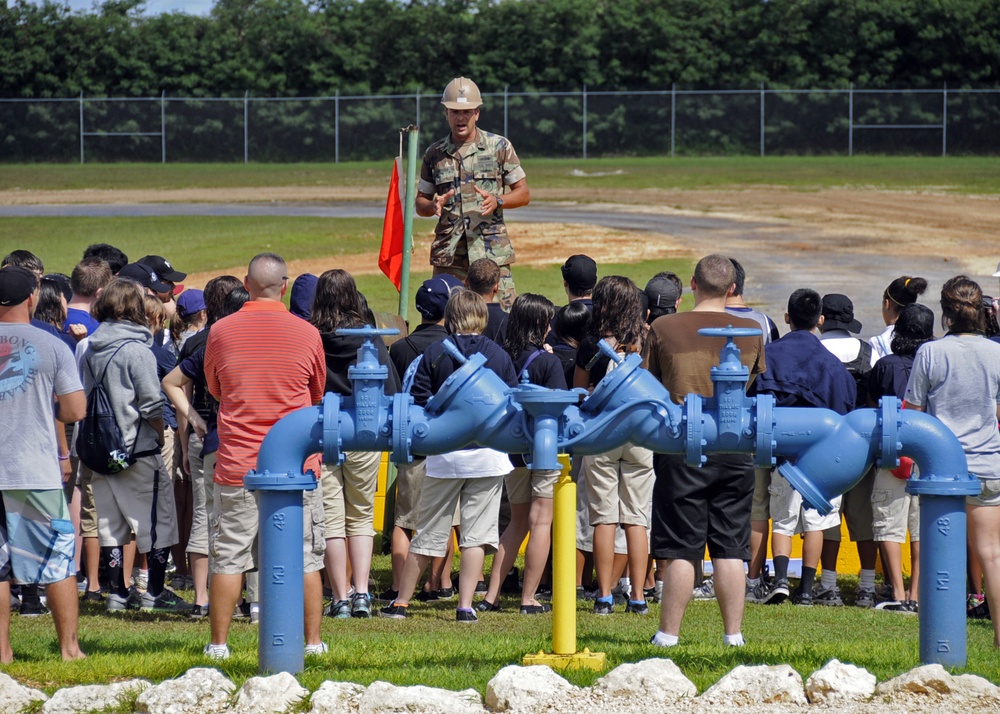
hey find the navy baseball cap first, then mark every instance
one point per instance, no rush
(433, 295)
(16, 285)
(145, 276)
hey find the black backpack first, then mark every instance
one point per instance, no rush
(859, 367)
(99, 441)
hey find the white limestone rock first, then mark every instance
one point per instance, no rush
(336, 698)
(761, 684)
(198, 691)
(15, 696)
(934, 680)
(656, 680)
(385, 698)
(94, 697)
(838, 682)
(516, 688)
(269, 695)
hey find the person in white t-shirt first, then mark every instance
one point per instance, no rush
(901, 292)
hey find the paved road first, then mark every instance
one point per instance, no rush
(777, 259)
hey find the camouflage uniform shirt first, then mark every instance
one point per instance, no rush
(463, 234)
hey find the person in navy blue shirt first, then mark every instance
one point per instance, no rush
(801, 372)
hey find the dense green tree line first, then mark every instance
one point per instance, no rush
(280, 48)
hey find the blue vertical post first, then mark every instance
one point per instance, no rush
(942, 567)
(281, 642)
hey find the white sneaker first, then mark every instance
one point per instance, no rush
(217, 651)
(321, 648)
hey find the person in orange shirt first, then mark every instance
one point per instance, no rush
(261, 363)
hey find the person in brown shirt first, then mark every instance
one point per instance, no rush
(694, 507)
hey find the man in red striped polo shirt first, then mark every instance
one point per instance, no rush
(261, 363)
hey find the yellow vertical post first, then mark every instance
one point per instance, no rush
(564, 654)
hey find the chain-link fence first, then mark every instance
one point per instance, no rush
(581, 124)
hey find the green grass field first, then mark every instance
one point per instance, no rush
(958, 174)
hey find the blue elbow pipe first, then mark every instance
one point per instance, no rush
(294, 438)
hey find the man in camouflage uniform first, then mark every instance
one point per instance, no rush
(462, 181)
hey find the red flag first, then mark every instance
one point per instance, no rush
(390, 256)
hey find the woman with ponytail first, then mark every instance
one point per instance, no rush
(957, 380)
(901, 292)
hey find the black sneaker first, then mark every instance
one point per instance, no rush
(487, 606)
(803, 598)
(93, 596)
(535, 609)
(466, 616)
(427, 596)
(198, 612)
(637, 608)
(388, 595)
(603, 608)
(33, 609)
(446, 593)
(905, 607)
(481, 587)
(394, 612)
(242, 612)
(980, 611)
(778, 592)
(511, 583)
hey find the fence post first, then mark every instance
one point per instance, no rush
(81, 126)
(246, 126)
(850, 120)
(163, 126)
(336, 127)
(673, 116)
(585, 121)
(944, 121)
(762, 120)
(506, 131)
(417, 122)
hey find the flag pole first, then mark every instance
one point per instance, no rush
(409, 207)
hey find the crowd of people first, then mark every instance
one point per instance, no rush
(192, 380)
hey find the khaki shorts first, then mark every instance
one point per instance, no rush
(478, 500)
(172, 454)
(585, 531)
(760, 508)
(349, 494)
(989, 496)
(857, 509)
(202, 490)
(88, 511)
(620, 486)
(125, 505)
(232, 530)
(524, 484)
(789, 516)
(409, 482)
(895, 511)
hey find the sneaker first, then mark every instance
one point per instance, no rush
(757, 594)
(446, 593)
(394, 611)
(827, 596)
(866, 598)
(637, 608)
(181, 582)
(340, 610)
(117, 603)
(487, 606)
(166, 601)
(620, 596)
(242, 611)
(313, 650)
(481, 587)
(254, 613)
(466, 616)
(590, 594)
(216, 651)
(140, 580)
(198, 612)
(361, 605)
(906, 607)
(535, 609)
(81, 582)
(777, 593)
(603, 608)
(803, 598)
(387, 595)
(93, 596)
(33, 609)
(427, 596)
(705, 591)
(980, 611)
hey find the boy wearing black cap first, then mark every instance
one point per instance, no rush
(859, 358)
(579, 278)
(34, 366)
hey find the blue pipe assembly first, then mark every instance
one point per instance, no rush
(821, 453)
